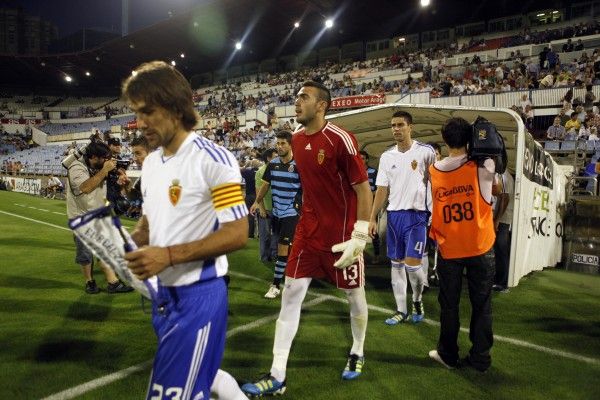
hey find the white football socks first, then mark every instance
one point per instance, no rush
(287, 324)
(359, 316)
(399, 285)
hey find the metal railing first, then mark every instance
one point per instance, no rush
(575, 186)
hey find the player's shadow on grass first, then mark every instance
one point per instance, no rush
(553, 324)
(29, 283)
(29, 243)
(85, 310)
(61, 343)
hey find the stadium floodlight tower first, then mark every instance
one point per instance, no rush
(238, 46)
(425, 3)
(329, 23)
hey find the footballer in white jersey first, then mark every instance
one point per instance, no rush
(193, 214)
(403, 181)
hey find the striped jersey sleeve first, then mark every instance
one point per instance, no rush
(222, 174)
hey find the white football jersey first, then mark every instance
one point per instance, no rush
(186, 197)
(406, 174)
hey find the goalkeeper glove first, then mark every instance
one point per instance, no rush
(354, 247)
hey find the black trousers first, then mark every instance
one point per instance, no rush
(251, 219)
(480, 277)
(502, 251)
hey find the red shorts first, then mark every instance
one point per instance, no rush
(305, 261)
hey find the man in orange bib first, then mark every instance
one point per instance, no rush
(462, 225)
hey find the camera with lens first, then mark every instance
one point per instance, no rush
(486, 142)
(76, 154)
(121, 164)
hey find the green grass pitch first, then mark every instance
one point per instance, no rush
(54, 337)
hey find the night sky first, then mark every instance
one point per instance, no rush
(72, 15)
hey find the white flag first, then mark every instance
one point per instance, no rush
(104, 236)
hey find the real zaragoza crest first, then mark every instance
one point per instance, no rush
(321, 156)
(414, 164)
(174, 192)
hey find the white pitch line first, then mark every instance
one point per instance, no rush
(505, 339)
(35, 220)
(124, 373)
(516, 342)
(96, 383)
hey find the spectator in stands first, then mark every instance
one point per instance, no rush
(568, 46)
(593, 134)
(578, 45)
(528, 117)
(573, 123)
(556, 131)
(580, 113)
(552, 58)
(547, 81)
(585, 130)
(543, 56)
(525, 102)
(589, 99)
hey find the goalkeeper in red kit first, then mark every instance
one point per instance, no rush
(330, 236)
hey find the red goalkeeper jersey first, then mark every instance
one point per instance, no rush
(329, 164)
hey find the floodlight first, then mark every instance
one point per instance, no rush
(425, 3)
(238, 46)
(173, 63)
(329, 23)
(68, 78)
(296, 25)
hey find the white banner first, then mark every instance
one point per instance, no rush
(25, 185)
(537, 224)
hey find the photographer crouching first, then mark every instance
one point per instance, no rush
(87, 172)
(117, 180)
(463, 227)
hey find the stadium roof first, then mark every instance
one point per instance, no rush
(372, 127)
(208, 32)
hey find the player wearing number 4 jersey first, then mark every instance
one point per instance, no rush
(331, 233)
(403, 178)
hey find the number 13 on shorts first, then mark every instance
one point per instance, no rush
(350, 273)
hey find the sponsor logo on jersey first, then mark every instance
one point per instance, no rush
(291, 168)
(414, 164)
(321, 156)
(308, 147)
(174, 192)
(442, 193)
(482, 134)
